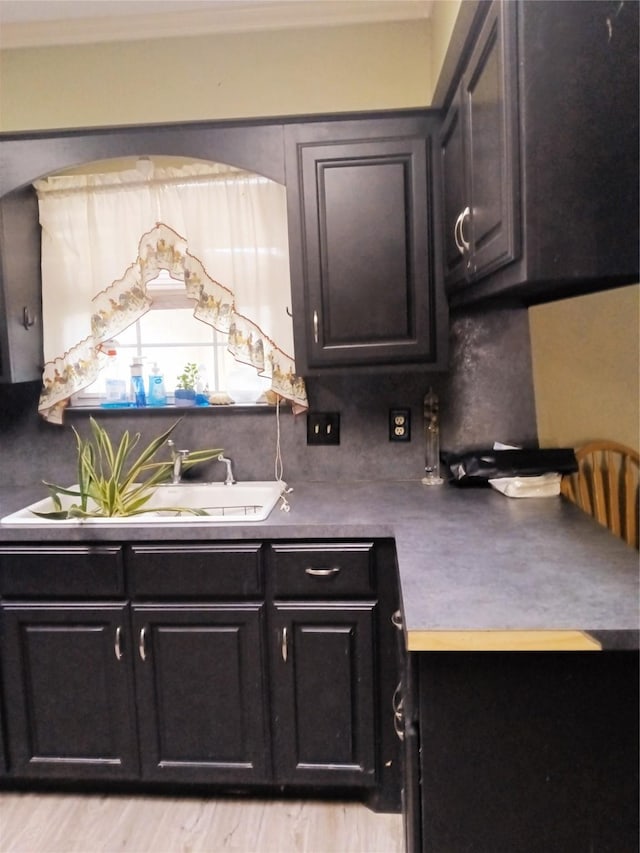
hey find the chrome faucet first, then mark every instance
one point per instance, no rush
(229, 480)
(177, 458)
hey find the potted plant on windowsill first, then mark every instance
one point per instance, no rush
(185, 390)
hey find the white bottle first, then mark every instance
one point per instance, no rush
(115, 384)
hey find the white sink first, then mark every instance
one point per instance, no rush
(241, 502)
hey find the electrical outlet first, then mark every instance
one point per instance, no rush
(399, 424)
(323, 428)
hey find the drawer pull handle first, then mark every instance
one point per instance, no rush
(315, 327)
(117, 646)
(284, 646)
(141, 644)
(322, 573)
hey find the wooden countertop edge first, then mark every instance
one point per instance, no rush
(501, 641)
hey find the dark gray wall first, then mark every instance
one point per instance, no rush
(486, 395)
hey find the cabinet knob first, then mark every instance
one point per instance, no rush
(284, 645)
(315, 326)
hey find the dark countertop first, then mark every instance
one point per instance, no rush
(471, 561)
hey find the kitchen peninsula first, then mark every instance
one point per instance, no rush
(535, 581)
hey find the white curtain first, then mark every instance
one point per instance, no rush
(104, 236)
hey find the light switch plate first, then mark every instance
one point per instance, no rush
(323, 428)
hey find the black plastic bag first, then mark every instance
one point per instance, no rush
(477, 467)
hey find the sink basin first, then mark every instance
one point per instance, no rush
(242, 502)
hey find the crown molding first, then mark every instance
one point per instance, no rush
(224, 16)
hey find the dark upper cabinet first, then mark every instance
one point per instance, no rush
(480, 158)
(21, 357)
(365, 288)
(539, 153)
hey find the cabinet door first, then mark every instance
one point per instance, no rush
(3, 759)
(360, 222)
(67, 670)
(455, 198)
(490, 113)
(21, 357)
(323, 694)
(200, 692)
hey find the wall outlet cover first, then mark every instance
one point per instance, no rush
(399, 424)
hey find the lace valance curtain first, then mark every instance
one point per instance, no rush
(221, 231)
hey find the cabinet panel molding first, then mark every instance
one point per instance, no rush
(71, 691)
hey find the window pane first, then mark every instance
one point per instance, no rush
(158, 327)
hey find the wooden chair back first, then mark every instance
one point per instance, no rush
(606, 487)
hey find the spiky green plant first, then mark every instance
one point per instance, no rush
(113, 481)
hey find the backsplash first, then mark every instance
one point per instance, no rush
(487, 394)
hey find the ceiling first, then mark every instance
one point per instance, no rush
(33, 23)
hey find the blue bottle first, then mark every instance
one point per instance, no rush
(157, 395)
(138, 396)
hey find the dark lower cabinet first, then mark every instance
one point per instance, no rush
(70, 693)
(526, 753)
(200, 692)
(232, 664)
(323, 693)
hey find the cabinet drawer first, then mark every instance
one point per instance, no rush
(318, 570)
(68, 571)
(195, 571)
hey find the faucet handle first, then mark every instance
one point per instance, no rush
(182, 453)
(229, 479)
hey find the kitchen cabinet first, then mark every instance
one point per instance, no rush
(481, 212)
(528, 752)
(71, 692)
(3, 759)
(366, 289)
(539, 153)
(199, 662)
(229, 664)
(21, 358)
(199, 692)
(323, 695)
(322, 628)
(65, 663)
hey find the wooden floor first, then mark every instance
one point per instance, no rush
(95, 823)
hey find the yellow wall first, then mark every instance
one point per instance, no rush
(443, 18)
(273, 73)
(585, 354)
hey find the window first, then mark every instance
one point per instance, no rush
(221, 234)
(169, 336)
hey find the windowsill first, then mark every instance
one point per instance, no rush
(233, 408)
